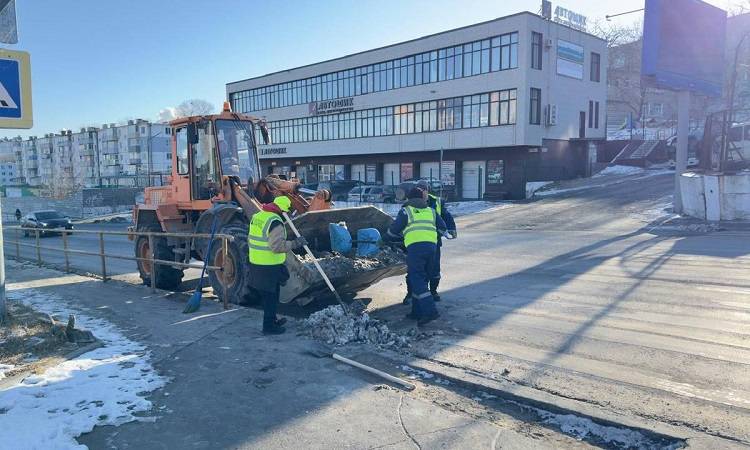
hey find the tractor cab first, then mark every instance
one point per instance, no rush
(207, 148)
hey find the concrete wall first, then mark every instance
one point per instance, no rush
(712, 197)
(71, 206)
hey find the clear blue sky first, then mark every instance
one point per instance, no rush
(101, 61)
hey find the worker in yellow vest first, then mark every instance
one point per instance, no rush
(418, 225)
(267, 249)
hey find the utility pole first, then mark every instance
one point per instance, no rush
(732, 87)
(3, 309)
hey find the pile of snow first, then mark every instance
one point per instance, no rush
(475, 207)
(533, 186)
(333, 326)
(619, 170)
(5, 368)
(102, 387)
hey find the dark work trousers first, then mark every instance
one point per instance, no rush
(435, 272)
(434, 275)
(270, 305)
(420, 259)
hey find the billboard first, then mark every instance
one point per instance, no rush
(683, 46)
(569, 59)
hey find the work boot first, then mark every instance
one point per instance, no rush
(406, 299)
(427, 319)
(280, 321)
(434, 283)
(273, 329)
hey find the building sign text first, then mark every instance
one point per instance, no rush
(273, 151)
(570, 18)
(331, 106)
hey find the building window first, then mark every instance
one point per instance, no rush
(536, 50)
(495, 171)
(654, 109)
(596, 63)
(596, 115)
(591, 114)
(470, 111)
(469, 59)
(535, 106)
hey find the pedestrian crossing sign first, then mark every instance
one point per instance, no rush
(15, 89)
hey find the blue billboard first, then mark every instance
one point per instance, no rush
(684, 45)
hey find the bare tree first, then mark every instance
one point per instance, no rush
(617, 34)
(194, 107)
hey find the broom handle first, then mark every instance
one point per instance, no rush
(374, 371)
(315, 261)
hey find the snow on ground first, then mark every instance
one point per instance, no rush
(661, 211)
(4, 368)
(533, 186)
(619, 170)
(603, 182)
(102, 387)
(456, 208)
(475, 207)
(583, 428)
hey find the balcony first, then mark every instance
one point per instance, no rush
(110, 150)
(86, 152)
(135, 161)
(31, 164)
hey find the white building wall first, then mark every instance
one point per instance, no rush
(570, 95)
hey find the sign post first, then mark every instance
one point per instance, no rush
(681, 156)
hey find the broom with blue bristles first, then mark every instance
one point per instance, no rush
(194, 304)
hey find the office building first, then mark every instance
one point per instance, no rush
(499, 103)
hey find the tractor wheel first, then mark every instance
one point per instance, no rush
(167, 277)
(233, 283)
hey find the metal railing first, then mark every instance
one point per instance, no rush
(154, 262)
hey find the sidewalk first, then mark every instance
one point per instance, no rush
(228, 386)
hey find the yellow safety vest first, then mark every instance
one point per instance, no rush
(438, 204)
(259, 251)
(420, 225)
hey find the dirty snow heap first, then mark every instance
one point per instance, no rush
(335, 327)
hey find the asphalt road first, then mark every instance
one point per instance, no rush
(595, 296)
(594, 300)
(52, 254)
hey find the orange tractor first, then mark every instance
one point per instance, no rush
(216, 177)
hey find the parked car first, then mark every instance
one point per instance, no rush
(403, 189)
(339, 189)
(49, 222)
(373, 194)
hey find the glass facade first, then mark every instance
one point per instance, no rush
(470, 111)
(470, 59)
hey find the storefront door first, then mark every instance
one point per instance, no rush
(473, 175)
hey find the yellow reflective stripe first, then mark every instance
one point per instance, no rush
(258, 247)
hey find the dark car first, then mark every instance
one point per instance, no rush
(49, 222)
(339, 189)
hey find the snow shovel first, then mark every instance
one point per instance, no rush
(194, 304)
(323, 352)
(317, 265)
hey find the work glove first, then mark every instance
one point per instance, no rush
(453, 234)
(300, 242)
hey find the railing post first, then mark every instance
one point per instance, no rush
(225, 253)
(153, 264)
(65, 251)
(104, 259)
(38, 250)
(18, 245)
